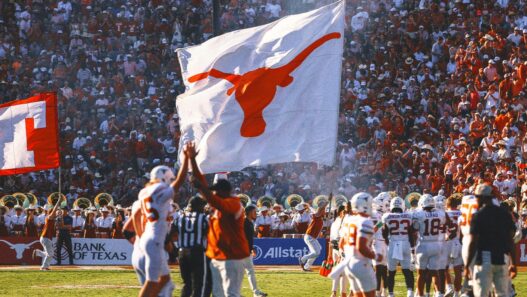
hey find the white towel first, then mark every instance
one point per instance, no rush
(456, 250)
(338, 270)
(398, 251)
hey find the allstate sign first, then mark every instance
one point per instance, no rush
(283, 251)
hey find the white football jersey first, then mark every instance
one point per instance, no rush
(469, 205)
(397, 225)
(454, 215)
(155, 203)
(430, 224)
(376, 219)
(352, 228)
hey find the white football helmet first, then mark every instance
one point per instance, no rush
(439, 202)
(163, 174)
(427, 201)
(397, 202)
(362, 203)
(378, 204)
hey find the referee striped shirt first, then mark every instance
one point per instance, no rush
(192, 228)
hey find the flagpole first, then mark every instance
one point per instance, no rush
(216, 17)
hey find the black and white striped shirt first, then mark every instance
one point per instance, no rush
(192, 228)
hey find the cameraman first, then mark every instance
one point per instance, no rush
(64, 226)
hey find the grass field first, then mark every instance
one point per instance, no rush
(107, 282)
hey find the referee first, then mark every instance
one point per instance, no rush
(491, 246)
(192, 228)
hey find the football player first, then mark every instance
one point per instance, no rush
(454, 249)
(156, 198)
(356, 237)
(426, 228)
(469, 206)
(380, 205)
(395, 231)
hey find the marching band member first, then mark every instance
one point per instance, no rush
(41, 219)
(275, 217)
(18, 221)
(155, 199)
(118, 223)
(30, 227)
(90, 226)
(45, 238)
(283, 225)
(301, 219)
(104, 224)
(263, 223)
(78, 222)
(5, 221)
(312, 233)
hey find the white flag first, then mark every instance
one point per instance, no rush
(265, 95)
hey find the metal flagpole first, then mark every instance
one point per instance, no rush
(216, 17)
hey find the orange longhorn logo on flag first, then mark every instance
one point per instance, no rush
(256, 89)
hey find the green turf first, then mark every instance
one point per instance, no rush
(105, 282)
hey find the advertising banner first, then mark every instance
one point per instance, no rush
(284, 251)
(97, 251)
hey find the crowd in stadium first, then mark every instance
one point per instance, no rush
(432, 94)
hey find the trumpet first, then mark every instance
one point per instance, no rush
(245, 199)
(82, 203)
(293, 200)
(265, 201)
(103, 199)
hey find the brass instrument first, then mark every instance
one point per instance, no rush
(82, 203)
(293, 200)
(103, 199)
(20, 197)
(393, 194)
(457, 196)
(319, 200)
(265, 201)
(338, 200)
(9, 201)
(31, 200)
(411, 197)
(53, 197)
(244, 199)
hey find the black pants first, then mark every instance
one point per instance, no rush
(193, 267)
(64, 238)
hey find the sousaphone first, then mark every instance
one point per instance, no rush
(319, 200)
(9, 201)
(31, 200)
(103, 199)
(20, 197)
(293, 200)
(53, 198)
(244, 199)
(411, 197)
(82, 203)
(265, 201)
